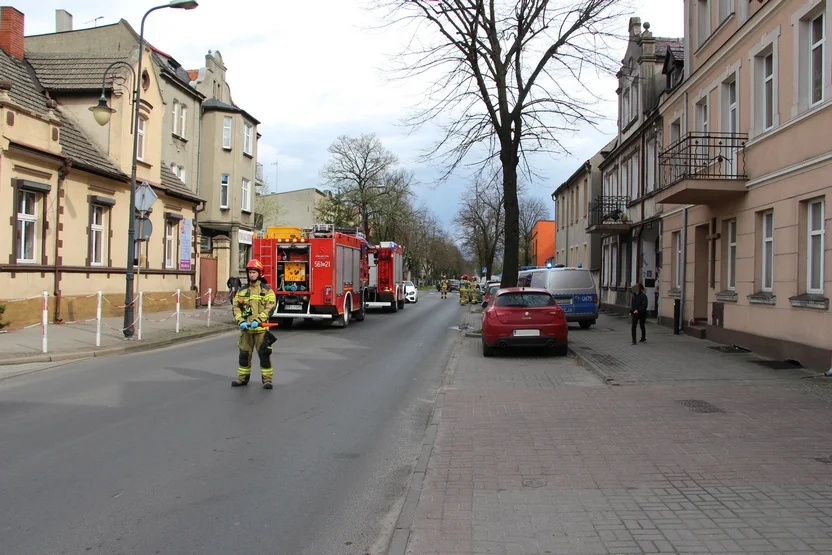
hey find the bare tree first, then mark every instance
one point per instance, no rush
(481, 220)
(357, 169)
(532, 210)
(507, 74)
(267, 211)
(334, 210)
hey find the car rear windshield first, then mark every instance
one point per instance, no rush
(570, 279)
(525, 299)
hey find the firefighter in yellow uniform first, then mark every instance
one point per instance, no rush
(252, 306)
(443, 288)
(463, 290)
(472, 289)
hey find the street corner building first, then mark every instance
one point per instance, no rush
(746, 176)
(65, 185)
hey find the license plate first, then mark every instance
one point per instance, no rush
(293, 307)
(527, 333)
(563, 301)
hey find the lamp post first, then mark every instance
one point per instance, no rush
(102, 114)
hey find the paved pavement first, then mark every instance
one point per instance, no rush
(76, 340)
(155, 452)
(691, 452)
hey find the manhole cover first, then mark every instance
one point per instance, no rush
(778, 364)
(699, 406)
(730, 349)
(607, 360)
(534, 482)
(824, 460)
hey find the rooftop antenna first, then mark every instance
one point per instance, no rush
(94, 21)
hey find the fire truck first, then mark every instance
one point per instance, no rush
(319, 273)
(386, 287)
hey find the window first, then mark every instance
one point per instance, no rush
(815, 261)
(243, 256)
(768, 91)
(816, 71)
(634, 94)
(703, 21)
(227, 129)
(702, 115)
(625, 178)
(731, 259)
(625, 107)
(246, 202)
(247, 139)
(634, 184)
(224, 191)
(171, 233)
(182, 174)
(175, 129)
(650, 169)
(141, 132)
(607, 264)
(614, 265)
(183, 117)
(27, 220)
(732, 112)
(677, 260)
(726, 8)
(97, 237)
(768, 251)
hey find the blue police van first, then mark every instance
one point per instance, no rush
(573, 290)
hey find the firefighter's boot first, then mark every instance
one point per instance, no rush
(267, 377)
(242, 379)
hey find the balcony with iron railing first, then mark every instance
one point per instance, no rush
(258, 175)
(703, 168)
(608, 215)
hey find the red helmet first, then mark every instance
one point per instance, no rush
(254, 264)
(465, 277)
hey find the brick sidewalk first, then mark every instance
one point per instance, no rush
(535, 455)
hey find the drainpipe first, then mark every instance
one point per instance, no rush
(684, 234)
(63, 171)
(197, 210)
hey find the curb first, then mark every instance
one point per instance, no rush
(594, 368)
(109, 351)
(401, 533)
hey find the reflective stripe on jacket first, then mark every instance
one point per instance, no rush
(254, 303)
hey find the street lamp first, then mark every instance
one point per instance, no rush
(102, 113)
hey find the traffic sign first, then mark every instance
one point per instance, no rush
(143, 228)
(145, 197)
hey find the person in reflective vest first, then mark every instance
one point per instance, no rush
(252, 308)
(444, 288)
(463, 290)
(472, 289)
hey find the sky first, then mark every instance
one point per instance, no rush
(311, 71)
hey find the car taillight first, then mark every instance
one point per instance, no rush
(491, 314)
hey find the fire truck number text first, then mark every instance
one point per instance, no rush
(323, 264)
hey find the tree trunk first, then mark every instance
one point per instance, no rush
(511, 254)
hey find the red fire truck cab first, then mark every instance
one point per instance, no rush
(319, 273)
(386, 287)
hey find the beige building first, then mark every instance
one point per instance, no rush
(68, 179)
(292, 208)
(746, 177)
(228, 166)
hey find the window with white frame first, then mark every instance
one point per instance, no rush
(625, 178)
(702, 115)
(224, 182)
(175, 112)
(182, 174)
(726, 8)
(768, 251)
(817, 41)
(97, 236)
(27, 223)
(816, 241)
(140, 129)
(768, 90)
(247, 133)
(731, 262)
(634, 96)
(246, 202)
(227, 131)
(677, 260)
(171, 233)
(183, 117)
(650, 169)
(731, 106)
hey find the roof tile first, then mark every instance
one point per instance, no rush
(82, 71)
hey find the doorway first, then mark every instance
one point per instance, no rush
(207, 279)
(700, 274)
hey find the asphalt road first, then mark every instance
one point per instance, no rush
(155, 453)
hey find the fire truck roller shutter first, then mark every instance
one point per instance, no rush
(339, 277)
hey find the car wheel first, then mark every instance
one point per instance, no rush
(585, 325)
(562, 350)
(486, 350)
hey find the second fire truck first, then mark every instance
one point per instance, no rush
(386, 285)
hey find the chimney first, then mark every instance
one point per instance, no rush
(63, 21)
(11, 32)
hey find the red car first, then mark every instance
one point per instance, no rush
(523, 317)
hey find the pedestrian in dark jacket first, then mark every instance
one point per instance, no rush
(234, 284)
(638, 311)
